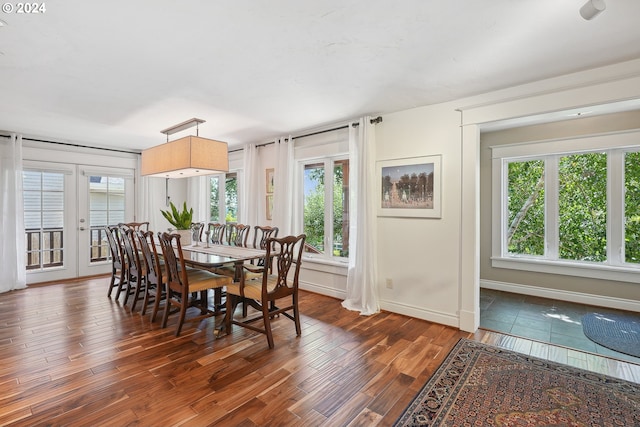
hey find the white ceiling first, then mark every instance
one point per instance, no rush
(114, 73)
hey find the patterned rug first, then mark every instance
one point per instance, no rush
(619, 332)
(482, 385)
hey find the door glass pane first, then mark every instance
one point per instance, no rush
(314, 207)
(525, 205)
(341, 208)
(582, 205)
(106, 207)
(43, 194)
(632, 207)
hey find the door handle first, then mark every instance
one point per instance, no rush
(82, 228)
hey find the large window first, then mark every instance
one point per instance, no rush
(326, 207)
(569, 212)
(224, 208)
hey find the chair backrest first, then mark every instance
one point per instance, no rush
(196, 231)
(241, 235)
(136, 225)
(230, 232)
(131, 251)
(174, 264)
(287, 252)
(261, 234)
(114, 239)
(150, 256)
(216, 233)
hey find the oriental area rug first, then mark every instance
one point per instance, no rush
(482, 385)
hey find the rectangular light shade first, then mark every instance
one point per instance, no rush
(185, 157)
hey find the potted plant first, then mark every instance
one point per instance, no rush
(181, 220)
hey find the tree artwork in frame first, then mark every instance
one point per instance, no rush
(410, 187)
(270, 180)
(269, 207)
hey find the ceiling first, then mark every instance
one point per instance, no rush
(114, 73)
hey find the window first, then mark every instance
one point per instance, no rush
(224, 209)
(106, 207)
(43, 194)
(569, 212)
(326, 207)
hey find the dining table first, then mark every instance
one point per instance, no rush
(211, 256)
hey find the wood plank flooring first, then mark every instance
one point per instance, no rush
(71, 356)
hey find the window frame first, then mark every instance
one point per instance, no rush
(222, 188)
(329, 163)
(615, 145)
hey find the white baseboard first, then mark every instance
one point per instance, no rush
(589, 299)
(420, 313)
(322, 290)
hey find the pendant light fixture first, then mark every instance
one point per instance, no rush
(592, 8)
(187, 156)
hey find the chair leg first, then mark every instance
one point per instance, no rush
(121, 283)
(232, 303)
(136, 296)
(183, 313)
(156, 302)
(145, 300)
(167, 307)
(112, 283)
(296, 315)
(267, 324)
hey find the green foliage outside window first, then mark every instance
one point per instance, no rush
(525, 234)
(632, 207)
(582, 203)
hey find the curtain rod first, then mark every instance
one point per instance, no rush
(77, 145)
(355, 124)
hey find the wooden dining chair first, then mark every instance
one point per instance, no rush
(264, 294)
(136, 274)
(241, 235)
(156, 279)
(183, 282)
(216, 233)
(118, 261)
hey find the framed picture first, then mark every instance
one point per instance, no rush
(269, 207)
(269, 181)
(410, 187)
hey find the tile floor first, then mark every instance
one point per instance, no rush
(541, 319)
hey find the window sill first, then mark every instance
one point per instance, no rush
(325, 265)
(594, 271)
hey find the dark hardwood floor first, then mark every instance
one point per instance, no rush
(71, 356)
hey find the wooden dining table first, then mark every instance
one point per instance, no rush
(216, 255)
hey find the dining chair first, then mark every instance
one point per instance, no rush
(264, 294)
(196, 231)
(216, 233)
(181, 283)
(260, 236)
(241, 235)
(118, 261)
(137, 279)
(229, 232)
(154, 269)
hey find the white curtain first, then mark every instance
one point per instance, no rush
(283, 212)
(198, 198)
(13, 274)
(251, 200)
(362, 276)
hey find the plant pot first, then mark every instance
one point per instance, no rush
(185, 237)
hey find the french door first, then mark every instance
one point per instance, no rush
(65, 208)
(105, 197)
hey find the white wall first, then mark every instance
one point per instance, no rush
(433, 263)
(421, 256)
